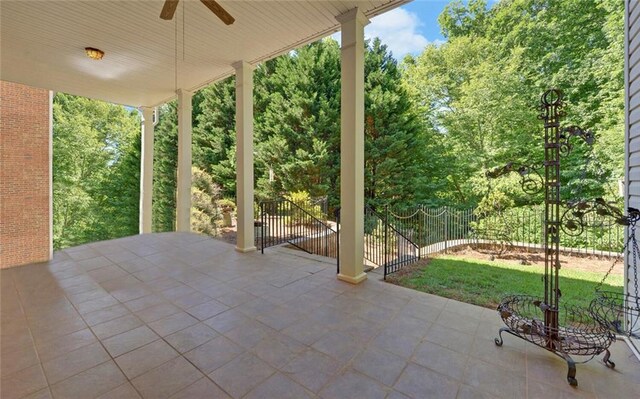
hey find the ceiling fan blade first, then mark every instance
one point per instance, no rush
(219, 11)
(169, 9)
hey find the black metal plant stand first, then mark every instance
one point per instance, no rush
(538, 320)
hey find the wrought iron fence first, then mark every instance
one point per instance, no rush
(434, 230)
(440, 229)
(387, 242)
(394, 238)
(303, 225)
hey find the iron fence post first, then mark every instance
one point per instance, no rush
(338, 241)
(386, 239)
(446, 229)
(262, 222)
(420, 221)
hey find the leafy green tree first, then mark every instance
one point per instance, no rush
(165, 163)
(206, 215)
(464, 19)
(395, 137)
(214, 134)
(479, 90)
(96, 148)
(297, 132)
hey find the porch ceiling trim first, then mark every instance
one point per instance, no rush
(42, 42)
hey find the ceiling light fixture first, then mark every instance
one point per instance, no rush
(94, 53)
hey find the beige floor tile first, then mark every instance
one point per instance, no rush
(214, 354)
(380, 365)
(145, 358)
(237, 298)
(418, 382)
(130, 293)
(281, 387)
(130, 340)
(90, 383)
(104, 315)
(116, 326)
(42, 394)
(157, 312)
(203, 388)
(191, 337)
(440, 359)
(353, 385)
(306, 331)
(174, 293)
(169, 378)
(18, 359)
(207, 310)
(251, 317)
(144, 302)
(468, 392)
(170, 324)
(279, 317)
(278, 350)
(449, 338)
(97, 304)
(312, 369)
(227, 321)
(248, 335)
(106, 273)
(496, 380)
(124, 391)
(241, 374)
(190, 300)
(23, 382)
(53, 348)
(74, 362)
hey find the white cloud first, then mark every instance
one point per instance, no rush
(398, 29)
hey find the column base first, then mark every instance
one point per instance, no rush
(352, 280)
(245, 250)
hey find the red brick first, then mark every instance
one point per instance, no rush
(24, 175)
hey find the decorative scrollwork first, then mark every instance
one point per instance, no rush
(577, 216)
(500, 171)
(531, 176)
(551, 99)
(567, 133)
(532, 181)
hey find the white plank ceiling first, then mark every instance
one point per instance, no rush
(42, 42)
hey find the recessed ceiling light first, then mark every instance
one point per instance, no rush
(94, 53)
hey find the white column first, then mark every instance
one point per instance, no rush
(352, 147)
(146, 169)
(244, 156)
(183, 197)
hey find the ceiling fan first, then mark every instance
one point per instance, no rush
(169, 9)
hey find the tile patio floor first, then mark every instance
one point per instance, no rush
(184, 316)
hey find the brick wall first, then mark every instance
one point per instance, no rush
(24, 175)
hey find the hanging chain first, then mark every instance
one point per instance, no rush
(635, 254)
(615, 262)
(632, 218)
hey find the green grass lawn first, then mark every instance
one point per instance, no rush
(485, 283)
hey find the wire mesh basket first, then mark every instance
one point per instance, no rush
(618, 312)
(579, 332)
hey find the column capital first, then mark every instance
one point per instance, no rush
(147, 113)
(353, 14)
(183, 92)
(242, 64)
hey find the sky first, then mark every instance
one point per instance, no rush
(408, 29)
